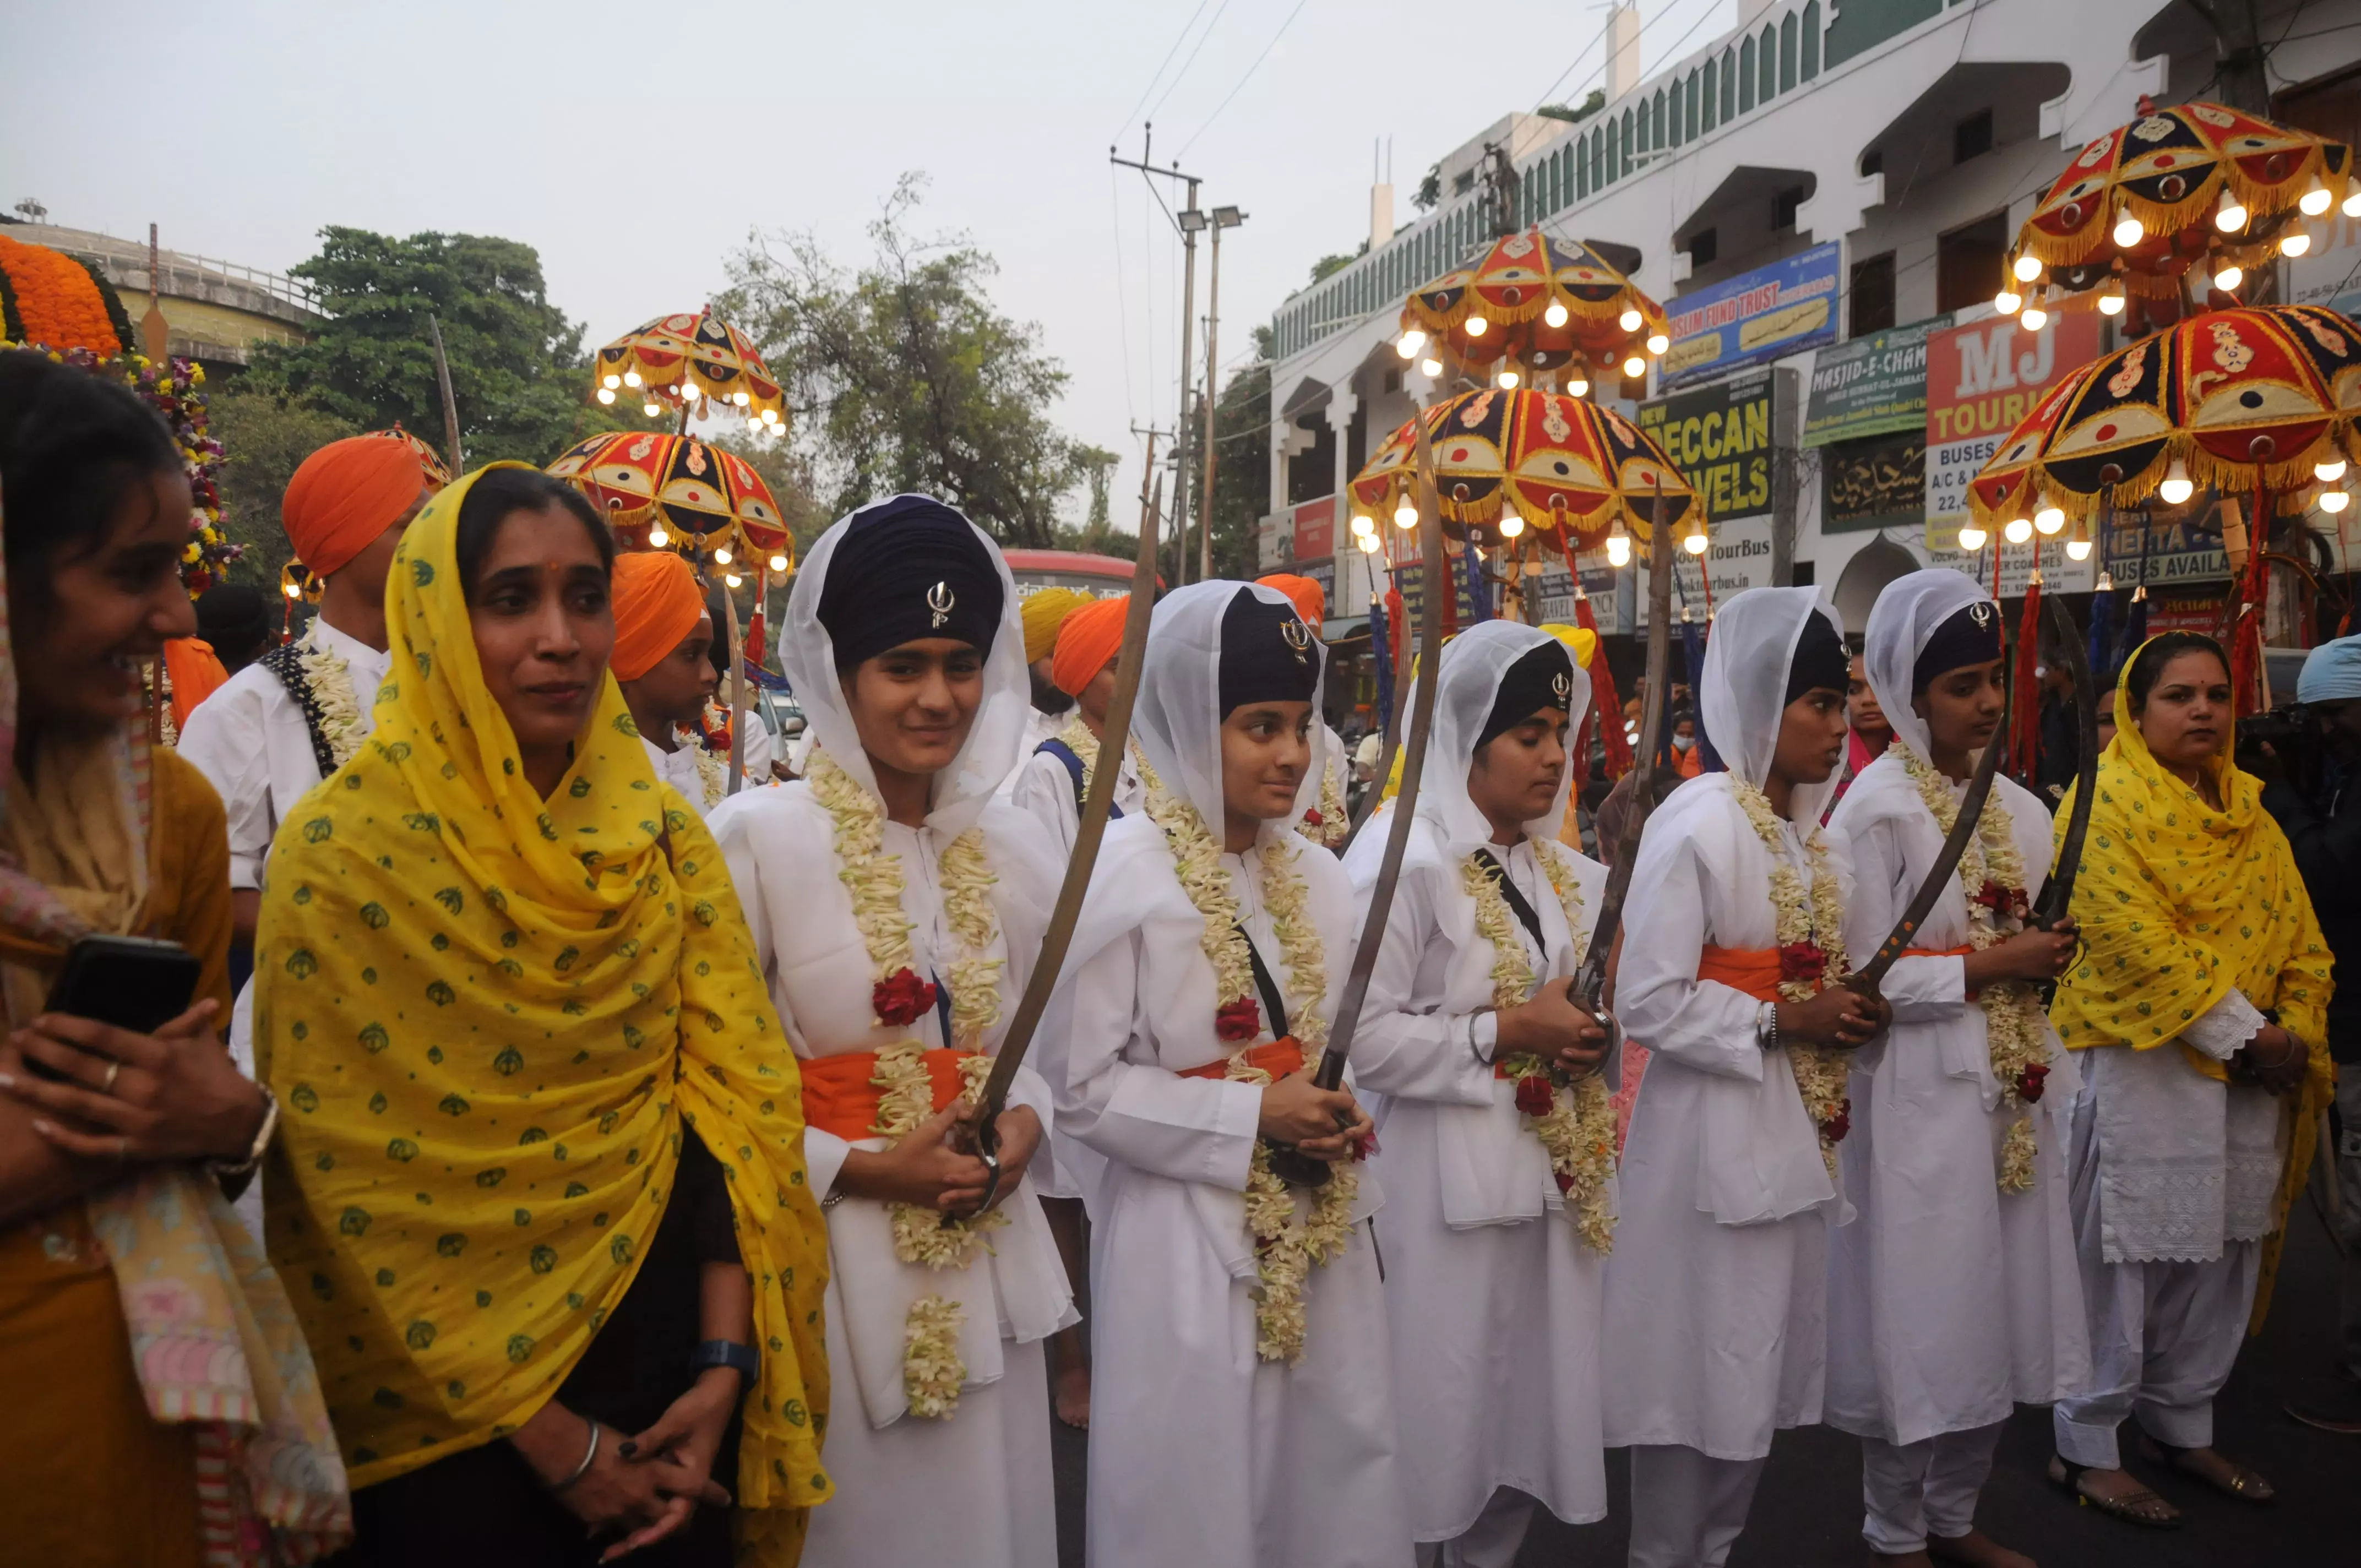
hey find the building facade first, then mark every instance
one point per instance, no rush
(215, 311)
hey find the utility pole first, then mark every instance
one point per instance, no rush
(1190, 221)
(1223, 218)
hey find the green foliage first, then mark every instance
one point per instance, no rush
(1242, 463)
(264, 438)
(906, 377)
(518, 374)
(1574, 114)
(1429, 190)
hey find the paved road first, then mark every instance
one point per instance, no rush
(1807, 1512)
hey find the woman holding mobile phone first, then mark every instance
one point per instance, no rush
(114, 1233)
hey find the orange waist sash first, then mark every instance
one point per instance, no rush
(1754, 970)
(1276, 1058)
(840, 1097)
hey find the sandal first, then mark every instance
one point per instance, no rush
(2139, 1508)
(2241, 1482)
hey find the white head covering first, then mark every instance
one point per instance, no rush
(807, 655)
(1744, 687)
(1472, 665)
(1904, 618)
(1177, 718)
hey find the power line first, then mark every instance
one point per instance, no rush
(1159, 70)
(1123, 328)
(1247, 77)
(1194, 50)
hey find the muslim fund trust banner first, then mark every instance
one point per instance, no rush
(1752, 318)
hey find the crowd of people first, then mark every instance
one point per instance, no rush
(589, 1168)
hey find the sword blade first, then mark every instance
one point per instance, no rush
(2057, 894)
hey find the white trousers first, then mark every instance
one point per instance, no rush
(1688, 1508)
(1914, 1490)
(2163, 1339)
(1491, 1541)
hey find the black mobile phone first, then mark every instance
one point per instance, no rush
(133, 982)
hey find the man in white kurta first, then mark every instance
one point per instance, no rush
(1716, 1287)
(972, 1486)
(1951, 1298)
(1492, 1289)
(1203, 1451)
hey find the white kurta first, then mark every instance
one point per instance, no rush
(1200, 1454)
(1717, 1288)
(677, 768)
(250, 741)
(1950, 1301)
(975, 1489)
(1493, 1297)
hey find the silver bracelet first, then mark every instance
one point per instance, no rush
(1479, 1056)
(269, 1128)
(1766, 1026)
(589, 1455)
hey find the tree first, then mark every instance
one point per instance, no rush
(1430, 188)
(518, 371)
(1242, 469)
(1338, 262)
(1574, 114)
(905, 376)
(264, 438)
(1097, 465)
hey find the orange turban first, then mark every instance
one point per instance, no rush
(657, 603)
(1086, 639)
(345, 494)
(1311, 599)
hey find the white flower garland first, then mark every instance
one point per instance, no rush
(712, 776)
(1335, 819)
(1812, 920)
(1580, 1130)
(1991, 873)
(1286, 1247)
(930, 1331)
(331, 680)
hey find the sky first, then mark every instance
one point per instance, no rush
(637, 147)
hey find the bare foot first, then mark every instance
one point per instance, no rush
(1071, 1394)
(1978, 1549)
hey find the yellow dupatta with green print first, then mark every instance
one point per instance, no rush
(488, 1016)
(2178, 904)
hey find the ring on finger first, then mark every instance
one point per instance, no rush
(122, 1149)
(106, 1084)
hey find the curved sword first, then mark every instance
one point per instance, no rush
(2056, 900)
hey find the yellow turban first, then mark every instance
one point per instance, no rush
(1045, 609)
(1580, 641)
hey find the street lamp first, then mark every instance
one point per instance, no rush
(1220, 218)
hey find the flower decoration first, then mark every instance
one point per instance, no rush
(1806, 921)
(901, 998)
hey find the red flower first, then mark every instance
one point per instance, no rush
(1311, 815)
(2029, 1082)
(1536, 1097)
(1835, 1128)
(1565, 1182)
(1802, 961)
(1364, 1147)
(2004, 901)
(901, 998)
(1241, 1020)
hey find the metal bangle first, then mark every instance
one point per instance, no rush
(269, 1129)
(1473, 1048)
(1766, 1026)
(589, 1455)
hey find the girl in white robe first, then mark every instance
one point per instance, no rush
(1716, 1285)
(947, 1461)
(1240, 1407)
(1493, 1275)
(1953, 1295)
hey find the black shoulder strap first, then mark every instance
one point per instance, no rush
(286, 662)
(1073, 765)
(1274, 1000)
(1527, 915)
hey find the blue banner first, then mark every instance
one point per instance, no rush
(1753, 318)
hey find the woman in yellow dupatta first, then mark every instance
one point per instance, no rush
(505, 992)
(2200, 1003)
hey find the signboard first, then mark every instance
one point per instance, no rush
(1314, 529)
(1879, 481)
(2177, 544)
(2058, 574)
(1981, 379)
(1738, 558)
(2329, 274)
(1754, 317)
(1720, 438)
(1872, 386)
(2185, 612)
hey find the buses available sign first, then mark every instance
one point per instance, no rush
(1752, 318)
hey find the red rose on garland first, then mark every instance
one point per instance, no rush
(1536, 1097)
(1565, 1182)
(1313, 816)
(1802, 961)
(2004, 901)
(1241, 1020)
(901, 998)
(1835, 1128)
(2029, 1082)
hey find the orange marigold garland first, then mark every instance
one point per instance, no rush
(58, 301)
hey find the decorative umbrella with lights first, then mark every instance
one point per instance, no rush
(1535, 307)
(430, 460)
(691, 360)
(687, 493)
(2192, 184)
(1506, 459)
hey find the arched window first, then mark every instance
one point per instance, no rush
(1811, 50)
(1657, 139)
(1728, 86)
(1787, 52)
(1677, 98)
(1614, 151)
(1709, 77)
(1766, 62)
(1690, 128)
(1746, 77)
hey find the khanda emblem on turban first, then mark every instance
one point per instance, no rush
(1299, 638)
(1981, 612)
(1562, 687)
(941, 601)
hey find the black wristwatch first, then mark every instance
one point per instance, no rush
(739, 1358)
